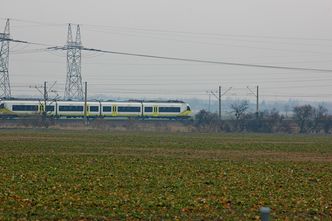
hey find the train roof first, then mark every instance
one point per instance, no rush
(131, 100)
(20, 99)
(157, 101)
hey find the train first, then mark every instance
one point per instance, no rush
(152, 109)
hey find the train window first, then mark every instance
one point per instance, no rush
(188, 108)
(147, 109)
(129, 109)
(25, 107)
(71, 108)
(2, 106)
(94, 108)
(169, 109)
(107, 109)
(49, 108)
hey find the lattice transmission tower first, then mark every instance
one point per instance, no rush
(74, 88)
(4, 62)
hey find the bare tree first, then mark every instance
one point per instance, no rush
(239, 109)
(207, 121)
(320, 116)
(304, 116)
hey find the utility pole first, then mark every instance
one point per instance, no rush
(74, 89)
(86, 103)
(4, 62)
(257, 98)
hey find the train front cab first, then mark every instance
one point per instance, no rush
(186, 112)
(4, 112)
(22, 108)
(2, 105)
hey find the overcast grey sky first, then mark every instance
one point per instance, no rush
(295, 33)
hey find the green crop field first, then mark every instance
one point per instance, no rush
(90, 175)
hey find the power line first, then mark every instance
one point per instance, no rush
(77, 46)
(35, 22)
(211, 34)
(24, 42)
(209, 62)
(149, 30)
(176, 58)
(187, 41)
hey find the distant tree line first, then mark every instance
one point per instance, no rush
(305, 119)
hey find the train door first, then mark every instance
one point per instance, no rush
(114, 110)
(155, 111)
(41, 108)
(100, 109)
(87, 110)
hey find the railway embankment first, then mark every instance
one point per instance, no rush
(102, 124)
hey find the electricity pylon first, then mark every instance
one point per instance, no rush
(4, 62)
(74, 88)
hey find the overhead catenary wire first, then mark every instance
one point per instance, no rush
(197, 94)
(161, 91)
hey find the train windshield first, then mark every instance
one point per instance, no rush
(188, 108)
(2, 105)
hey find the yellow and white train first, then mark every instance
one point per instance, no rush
(94, 109)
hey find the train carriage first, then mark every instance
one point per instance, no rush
(128, 109)
(114, 109)
(93, 109)
(70, 109)
(108, 109)
(121, 109)
(166, 109)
